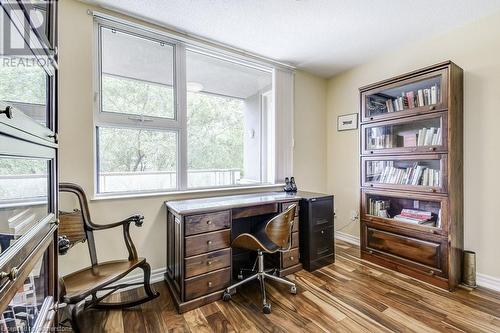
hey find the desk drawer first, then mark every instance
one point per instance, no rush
(207, 283)
(209, 262)
(196, 224)
(295, 240)
(285, 205)
(290, 258)
(207, 242)
(322, 243)
(295, 224)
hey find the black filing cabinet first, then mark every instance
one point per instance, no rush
(317, 245)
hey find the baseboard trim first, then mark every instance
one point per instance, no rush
(347, 238)
(157, 275)
(488, 281)
(482, 280)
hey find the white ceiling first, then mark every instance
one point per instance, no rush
(320, 36)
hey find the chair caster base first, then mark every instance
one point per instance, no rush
(293, 290)
(266, 308)
(226, 297)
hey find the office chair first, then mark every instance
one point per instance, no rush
(274, 237)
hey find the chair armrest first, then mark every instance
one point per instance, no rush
(136, 218)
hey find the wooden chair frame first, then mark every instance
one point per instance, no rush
(89, 299)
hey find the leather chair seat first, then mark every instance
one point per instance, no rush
(257, 241)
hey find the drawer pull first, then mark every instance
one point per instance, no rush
(209, 284)
(209, 262)
(291, 258)
(209, 242)
(431, 272)
(209, 222)
(7, 112)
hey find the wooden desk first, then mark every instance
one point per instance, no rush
(199, 255)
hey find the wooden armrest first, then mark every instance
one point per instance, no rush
(137, 219)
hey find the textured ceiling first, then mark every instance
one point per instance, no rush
(320, 36)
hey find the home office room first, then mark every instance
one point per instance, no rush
(249, 166)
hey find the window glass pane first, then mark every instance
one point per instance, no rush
(23, 82)
(225, 116)
(23, 197)
(137, 75)
(136, 159)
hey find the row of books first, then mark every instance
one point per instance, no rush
(378, 207)
(413, 99)
(424, 137)
(415, 175)
(429, 136)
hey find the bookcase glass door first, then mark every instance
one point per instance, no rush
(421, 133)
(24, 188)
(406, 97)
(419, 212)
(23, 310)
(420, 173)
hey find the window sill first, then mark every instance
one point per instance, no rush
(175, 194)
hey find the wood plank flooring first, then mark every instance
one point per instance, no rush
(349, 296)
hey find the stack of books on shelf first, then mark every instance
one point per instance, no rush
(415, 216)
(413, 99)
(378, 207)
(415, 175)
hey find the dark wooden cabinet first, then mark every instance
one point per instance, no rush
(28, 169)
(412, 173)
(316, 230)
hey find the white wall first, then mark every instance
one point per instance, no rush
(475, 48)
(76, 145)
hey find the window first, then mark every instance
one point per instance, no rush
(171, 116)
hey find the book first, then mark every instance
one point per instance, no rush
(433, 95)
(411, 100)
(389, 106)
(420, 94)
(427, 96)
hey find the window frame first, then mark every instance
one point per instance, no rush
(178, 124)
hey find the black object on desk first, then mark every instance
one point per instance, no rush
(317, 235)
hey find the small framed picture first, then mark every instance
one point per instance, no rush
(347, 122)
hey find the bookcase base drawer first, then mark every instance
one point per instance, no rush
(425, 255)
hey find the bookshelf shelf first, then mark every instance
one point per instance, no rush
(411, 146)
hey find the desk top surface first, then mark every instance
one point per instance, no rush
(193, 206)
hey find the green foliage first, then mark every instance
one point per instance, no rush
(136, 97)
(20, 83)
(215, 132)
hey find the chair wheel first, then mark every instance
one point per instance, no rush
(266, 308)
(226, 296)
(293, 290)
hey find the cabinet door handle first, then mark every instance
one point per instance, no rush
(291, 258)
(7, 112)
(433, 107)
(322, 232)
(12, 275)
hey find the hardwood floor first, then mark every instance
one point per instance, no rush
(348, 296)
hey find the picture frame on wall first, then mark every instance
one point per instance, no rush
(347, 122)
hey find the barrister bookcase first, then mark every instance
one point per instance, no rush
(411, 173)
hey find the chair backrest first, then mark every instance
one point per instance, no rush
(76, 225)
(279, 228)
